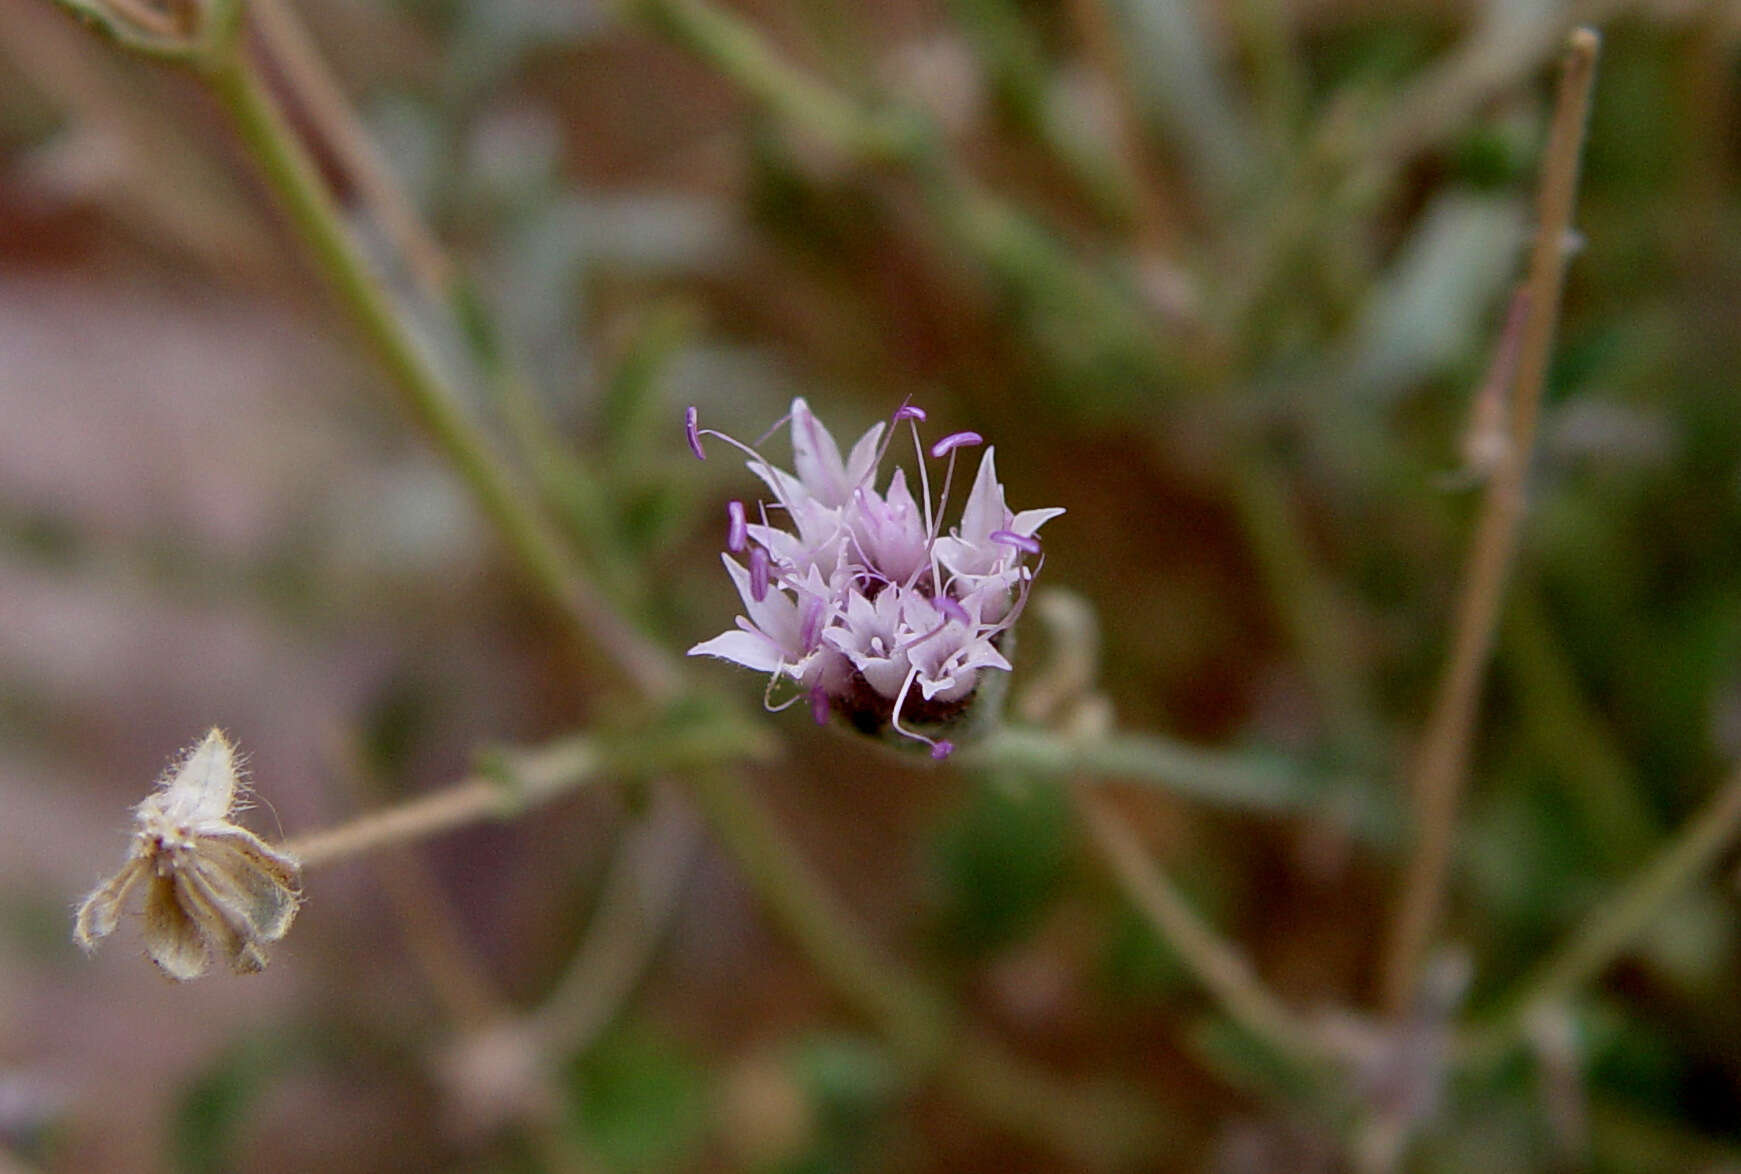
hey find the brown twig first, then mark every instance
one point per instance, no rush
(536, 776)
(1443, 760)
(321, 99)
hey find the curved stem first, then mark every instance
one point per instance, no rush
(637, 898)
(1614, 926)
(1214, 962)
(431, 399)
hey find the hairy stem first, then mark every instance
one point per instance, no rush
(1224, 779)
(1442, 764)
(528, 779)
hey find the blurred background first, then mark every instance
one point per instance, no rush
(1221, 277)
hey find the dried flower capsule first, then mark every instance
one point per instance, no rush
(209, 883)
(860, 599)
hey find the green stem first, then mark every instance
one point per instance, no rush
(1223, 779)
(913, 1020)
(427, 393)
(1614, 926)
(1217, 965)
(739, 52)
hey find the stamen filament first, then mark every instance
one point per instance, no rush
(940, 748)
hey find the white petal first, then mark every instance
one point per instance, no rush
(204, 785)
(984, 511)
(983, 656)
(901, 501)
(861, 465)
(1028, 522)
(749, 649)
(886, 675)
(817, 457)
(773, 613)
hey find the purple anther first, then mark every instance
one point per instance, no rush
(909, 412)
(692, 430)
(953, 611)
(810, 628)
(819, 705)
(953, 441)
(941, 749)
(736, 531)
(758, 574)
(1019, 541)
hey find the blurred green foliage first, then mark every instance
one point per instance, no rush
(1164, 255)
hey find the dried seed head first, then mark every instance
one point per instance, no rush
(209, 883)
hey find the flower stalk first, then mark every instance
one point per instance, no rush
(1438, 779)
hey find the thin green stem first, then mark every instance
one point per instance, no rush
(1223, 779)
(1619, 922)
(637, 898)
(742, 54)
(427, 393)
(907, 1013)
(1443, 759)
(1565, 730)
(1214, 962)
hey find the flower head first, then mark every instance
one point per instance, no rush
(208, 882)
(856, 595)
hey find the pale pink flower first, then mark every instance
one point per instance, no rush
(856, 595)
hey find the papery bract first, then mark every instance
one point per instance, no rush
(209, 883)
